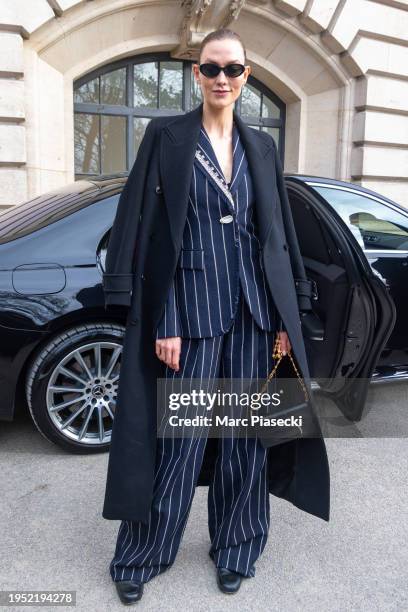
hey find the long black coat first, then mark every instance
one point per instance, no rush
(140, 264)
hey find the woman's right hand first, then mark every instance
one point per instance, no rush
(168, 350)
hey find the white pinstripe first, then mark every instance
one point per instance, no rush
(211, 315)
(225, 256)
(233, 517)
(213, 247)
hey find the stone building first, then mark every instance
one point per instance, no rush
(79, 80)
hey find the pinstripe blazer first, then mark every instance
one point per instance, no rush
(220, 249)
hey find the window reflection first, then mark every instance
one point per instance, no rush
(171, 85)
(269, 108)
(113, 109)
(113, 144)
(88, 92)
(113, 87)
(374, 224)
(251, 101)
(86, 144)
(145, 83)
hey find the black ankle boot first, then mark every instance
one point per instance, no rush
(129, 591)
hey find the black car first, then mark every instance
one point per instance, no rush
(60, 349)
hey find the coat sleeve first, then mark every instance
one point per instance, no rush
(302, 284)
(118, 275)
(169, 325)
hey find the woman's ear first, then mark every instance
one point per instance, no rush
(196, 73)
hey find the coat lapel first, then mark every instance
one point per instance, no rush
(261, 162)
(178, 147)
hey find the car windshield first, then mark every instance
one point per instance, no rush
(374, 223)
(23, 219)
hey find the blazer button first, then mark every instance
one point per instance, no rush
(226, 219)
(285, 246)
(142, 276)
(158, 189)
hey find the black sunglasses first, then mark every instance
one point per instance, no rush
(230, 70)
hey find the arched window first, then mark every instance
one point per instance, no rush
(113, 105)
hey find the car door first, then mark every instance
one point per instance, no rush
(354, 311)
(381, 228)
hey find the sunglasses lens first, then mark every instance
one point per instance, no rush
(213, 70)
(210, 70)
(234, 70)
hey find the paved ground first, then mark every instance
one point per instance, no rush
(54, 537)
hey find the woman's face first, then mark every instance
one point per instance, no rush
(221, 91)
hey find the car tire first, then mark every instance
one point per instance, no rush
(71, 386)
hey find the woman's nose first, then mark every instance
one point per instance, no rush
(221, 78)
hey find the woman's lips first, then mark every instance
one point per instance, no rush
(221, 92)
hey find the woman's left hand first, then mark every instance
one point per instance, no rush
(284, 342)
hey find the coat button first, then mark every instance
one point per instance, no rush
(285, 246)
(142, 276)
(158, 189)
(140, 217)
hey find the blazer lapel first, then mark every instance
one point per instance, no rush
(207, 163)
(178, 147)
(239, 162)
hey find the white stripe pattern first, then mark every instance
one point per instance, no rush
(216, 257)
(238, 496)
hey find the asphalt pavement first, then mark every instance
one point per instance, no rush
(53, 535)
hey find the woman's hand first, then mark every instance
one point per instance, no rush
(168, 350)
(284, 342)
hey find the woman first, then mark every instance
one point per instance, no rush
(219, 320)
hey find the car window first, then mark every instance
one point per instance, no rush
(374, 224)
(34, 214)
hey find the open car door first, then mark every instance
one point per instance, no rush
(353, 313)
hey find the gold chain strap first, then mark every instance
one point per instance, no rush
(278, 354)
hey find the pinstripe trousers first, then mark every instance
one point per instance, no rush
(238, 496)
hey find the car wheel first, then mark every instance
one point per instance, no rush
(72, 385)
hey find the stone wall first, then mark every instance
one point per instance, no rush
(341, 66)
